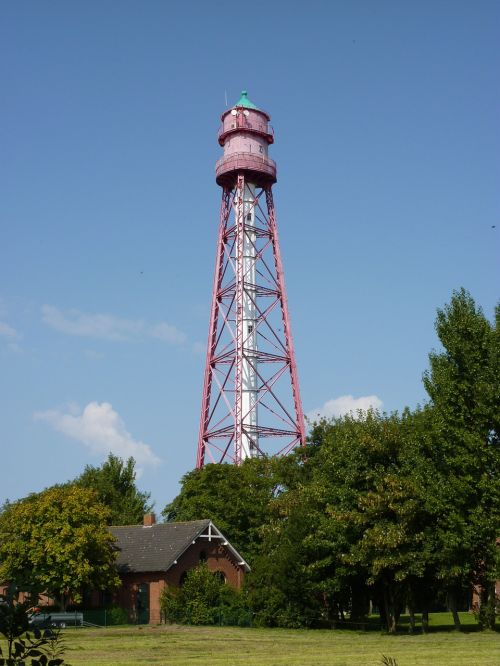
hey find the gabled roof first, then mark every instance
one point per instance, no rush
(158, 547)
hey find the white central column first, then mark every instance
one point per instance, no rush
(249, 313)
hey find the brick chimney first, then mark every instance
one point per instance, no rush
(149, 519)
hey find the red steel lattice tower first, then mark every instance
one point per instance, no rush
(251, 401)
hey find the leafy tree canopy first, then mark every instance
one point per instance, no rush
(236, 498)
(115, 485)
(357, 527)
(57, 541)
(463, 382)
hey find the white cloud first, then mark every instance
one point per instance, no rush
(7, 331)
(101, 429)
(167, 333)
(345, 404)
(108, 327)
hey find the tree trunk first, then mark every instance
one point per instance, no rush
(386, 609)
(492, 604)
(411, 612)
(63, 601)
(380, 603)
(359, 601)
(411, 607)
(390, 610)
(392, 622)
(452, 605)
(425, 620)
(326, 607)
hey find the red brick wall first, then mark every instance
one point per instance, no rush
(126, 595)
(218, 558)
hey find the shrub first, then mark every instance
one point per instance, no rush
(44, 648)
(171, 606)
(204, 599)
(485, 613)
(116, 615)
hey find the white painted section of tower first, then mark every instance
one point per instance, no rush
(249, 313)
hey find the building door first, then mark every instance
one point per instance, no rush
(142, 604)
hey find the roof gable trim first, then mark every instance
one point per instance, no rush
(213, 533)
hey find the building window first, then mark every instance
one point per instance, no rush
(203, 556)
(183, 577)
(220, 576)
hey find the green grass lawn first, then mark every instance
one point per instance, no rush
(227, 646)
(180, 646)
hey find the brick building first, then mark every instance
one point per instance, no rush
(155, 555)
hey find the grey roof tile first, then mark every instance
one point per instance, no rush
(155, 548)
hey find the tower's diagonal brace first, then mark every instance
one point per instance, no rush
(244, 339)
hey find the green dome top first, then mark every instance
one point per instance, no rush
(244, 101)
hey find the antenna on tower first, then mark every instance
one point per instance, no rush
(225, 97)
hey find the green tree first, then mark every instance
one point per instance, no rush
(203, 599)
(235, 497)
(280, 589)
(463, 382)
(395, 547)
(57, 542)
(199, 595)
(372, 526)
(115, 485)
(353, 525)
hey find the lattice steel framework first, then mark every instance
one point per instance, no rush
(251, 401)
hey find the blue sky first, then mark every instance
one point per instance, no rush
(387, 146)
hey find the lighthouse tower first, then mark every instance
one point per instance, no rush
(251, 401)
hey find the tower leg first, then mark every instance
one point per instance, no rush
(299, 414)
(212, 329)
